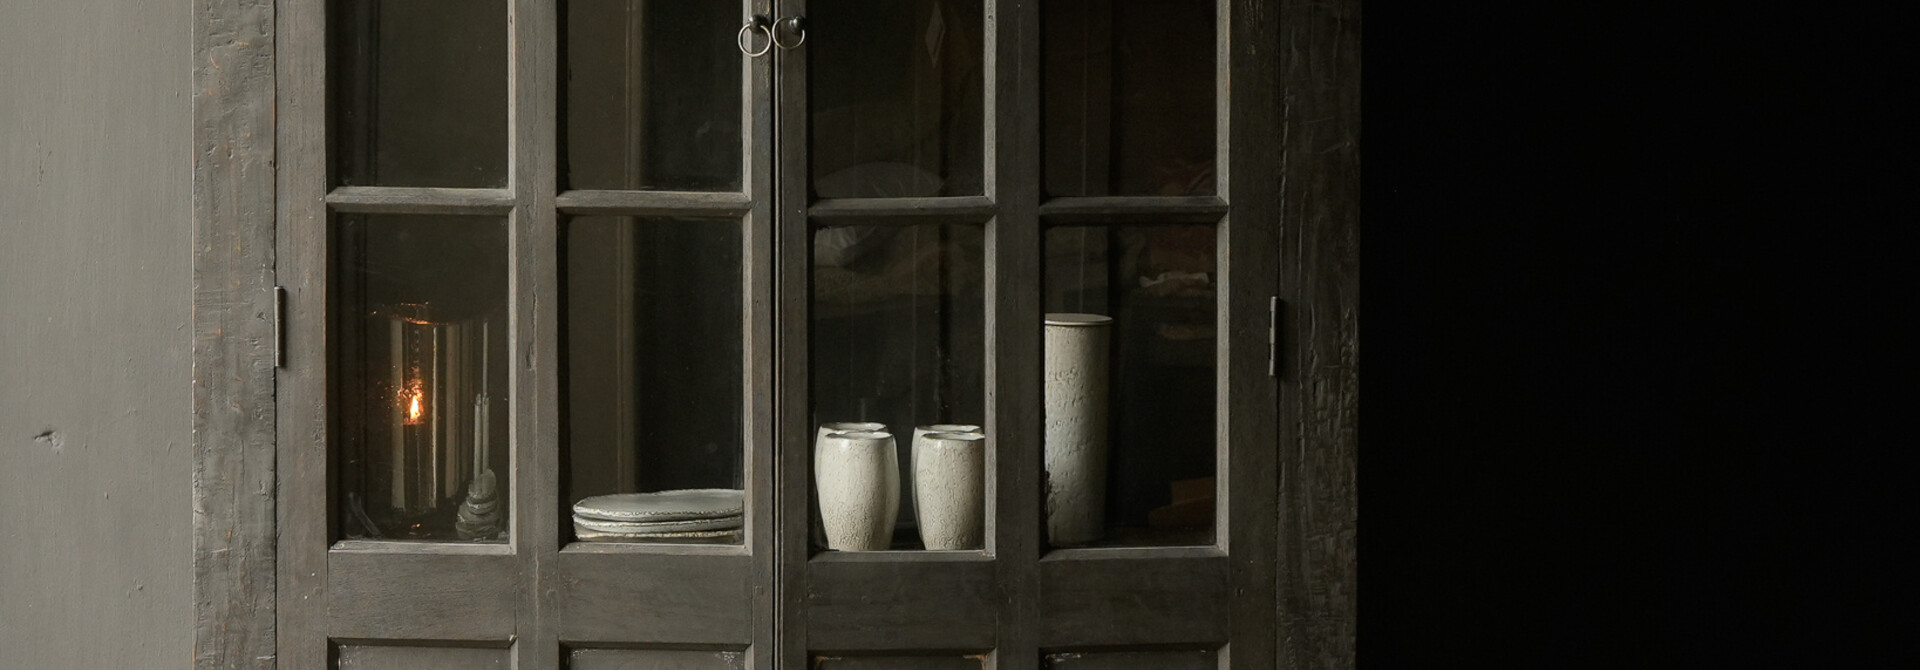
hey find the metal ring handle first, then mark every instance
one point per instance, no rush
(740, 40)
(794, 25)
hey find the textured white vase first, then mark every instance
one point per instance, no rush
(909, 504)
(857, 477)
(950, 485)
(820, 433)
(1075, 371)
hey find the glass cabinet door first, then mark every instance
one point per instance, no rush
(531, 299)
(1024, 407)
(776, 334)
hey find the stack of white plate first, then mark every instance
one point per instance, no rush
(680, 515)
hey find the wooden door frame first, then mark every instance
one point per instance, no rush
(236, 339)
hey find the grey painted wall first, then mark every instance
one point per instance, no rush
(96, 142)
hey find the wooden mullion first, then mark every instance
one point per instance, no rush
(1013, 322)
(534, 344)
(409, 200)
(792, 293)
(761, 316)
(904, 211)
(1248, 254)
(1131, 209)
(303, 432)
(656, 203)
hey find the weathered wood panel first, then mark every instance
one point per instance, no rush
(900, 601)
(1184, 659)
(96, 341)
(898, 663)
(234, 334)
(1133, 598)
(420, 596)
(656, 659)
(375, 657)
(624, 597)
(1319, 363)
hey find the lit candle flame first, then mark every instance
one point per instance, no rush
(411, 397)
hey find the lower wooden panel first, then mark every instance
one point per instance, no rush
(1187, 659)
(420, 596)
(1123, 598)
(380, 657)
(899, 662)
(640, 598)
(655, 659)
(897, 601)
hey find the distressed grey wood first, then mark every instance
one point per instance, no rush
(1134, 208)
(792, 434)
(1134, 597)
(1319, 361)
(658, 203)
(895, 662)
(762, 423)
(901, 600)
(233, 400)
(656, 659)
(634, 597)
(904, 211)
(303, 428)
(407, 200)
(1249, 267)
(1013, 322)
(373, 657)
(422, 596)
(1184, 659)
(534, 345)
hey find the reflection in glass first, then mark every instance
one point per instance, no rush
(1157, 283)
(419, 330)
(899, 334)
(1129, 97)
(653, 94)
(896, 97)
(420, 92)
(654, 392)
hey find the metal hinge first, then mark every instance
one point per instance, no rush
(1273, 337)
(279, 332)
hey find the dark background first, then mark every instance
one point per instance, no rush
(1625, 291)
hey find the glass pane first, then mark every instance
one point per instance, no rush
(652, 95)
(420, 93)
(419, 382)
(896, 97)
(1129, 97)
(898, 339)
(1129, 390)
(654, 389)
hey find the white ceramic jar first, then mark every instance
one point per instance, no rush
(1076, 379)
(949, 484)
(856, 476)
(909, 504)
(820, 432)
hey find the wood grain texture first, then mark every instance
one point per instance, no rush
(421, 596)
(396, 200)
(301, 616)
(1184, 659)
(1133, 600)
(869, 602)
(894, 662)
(656, 659)
(375, 657)
(654, 598)
(655, 203)
(97, 354)
(1319, 359)
(792, 289)
(234, 337)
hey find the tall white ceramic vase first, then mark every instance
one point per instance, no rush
(820, 433)
(858, 479)
(949, 486)
(1076, 377)
(909, 500)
